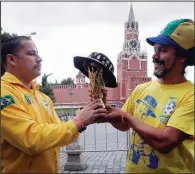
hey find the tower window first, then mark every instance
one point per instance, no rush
(132, 25)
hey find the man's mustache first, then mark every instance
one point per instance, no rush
(37, 65)
(159, 61)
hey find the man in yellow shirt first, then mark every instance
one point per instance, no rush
(31, 132)
(161, 112)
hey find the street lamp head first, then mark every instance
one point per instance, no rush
(33, 33)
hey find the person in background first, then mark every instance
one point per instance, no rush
(31, 132)
(161, 112)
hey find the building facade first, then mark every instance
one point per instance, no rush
(131, 71)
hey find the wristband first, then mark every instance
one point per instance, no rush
(81, 130)
(81, 125)
(79, 122)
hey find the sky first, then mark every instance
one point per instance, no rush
(68, 29)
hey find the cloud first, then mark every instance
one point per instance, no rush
(66, 29)
(50, 14)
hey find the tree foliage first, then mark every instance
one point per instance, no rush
(5, 36)
(67, 81)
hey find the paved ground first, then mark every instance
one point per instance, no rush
(101, 162)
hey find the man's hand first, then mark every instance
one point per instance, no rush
(113, 115)
(110, 115)
(91, 112)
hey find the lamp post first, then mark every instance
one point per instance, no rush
(70, 92)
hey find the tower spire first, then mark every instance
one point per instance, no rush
(131, 14)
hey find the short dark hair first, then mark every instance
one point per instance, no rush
(10, 46)
(188, 54)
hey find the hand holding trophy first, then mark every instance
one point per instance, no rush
(100, 71)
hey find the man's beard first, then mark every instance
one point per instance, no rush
(162, 73)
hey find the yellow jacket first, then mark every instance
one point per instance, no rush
(31, 132)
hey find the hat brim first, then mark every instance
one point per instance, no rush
(108, 76)
(161, 39)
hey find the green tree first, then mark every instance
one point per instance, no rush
(5, 36)
(67, 81)
(46, 88)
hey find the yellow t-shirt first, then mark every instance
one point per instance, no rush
(31, 132)
(161, 105)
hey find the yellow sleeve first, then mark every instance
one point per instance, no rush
(19, 129)
(129, 104)
(183, 117)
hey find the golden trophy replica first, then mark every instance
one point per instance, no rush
(100, 71)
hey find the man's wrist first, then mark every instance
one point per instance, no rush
(132, 120)
(77, 124)
(80, 125)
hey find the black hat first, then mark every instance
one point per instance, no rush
(103, 61)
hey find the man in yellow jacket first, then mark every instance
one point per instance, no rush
(31, 132)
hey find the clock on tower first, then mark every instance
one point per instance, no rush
(133, 43)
